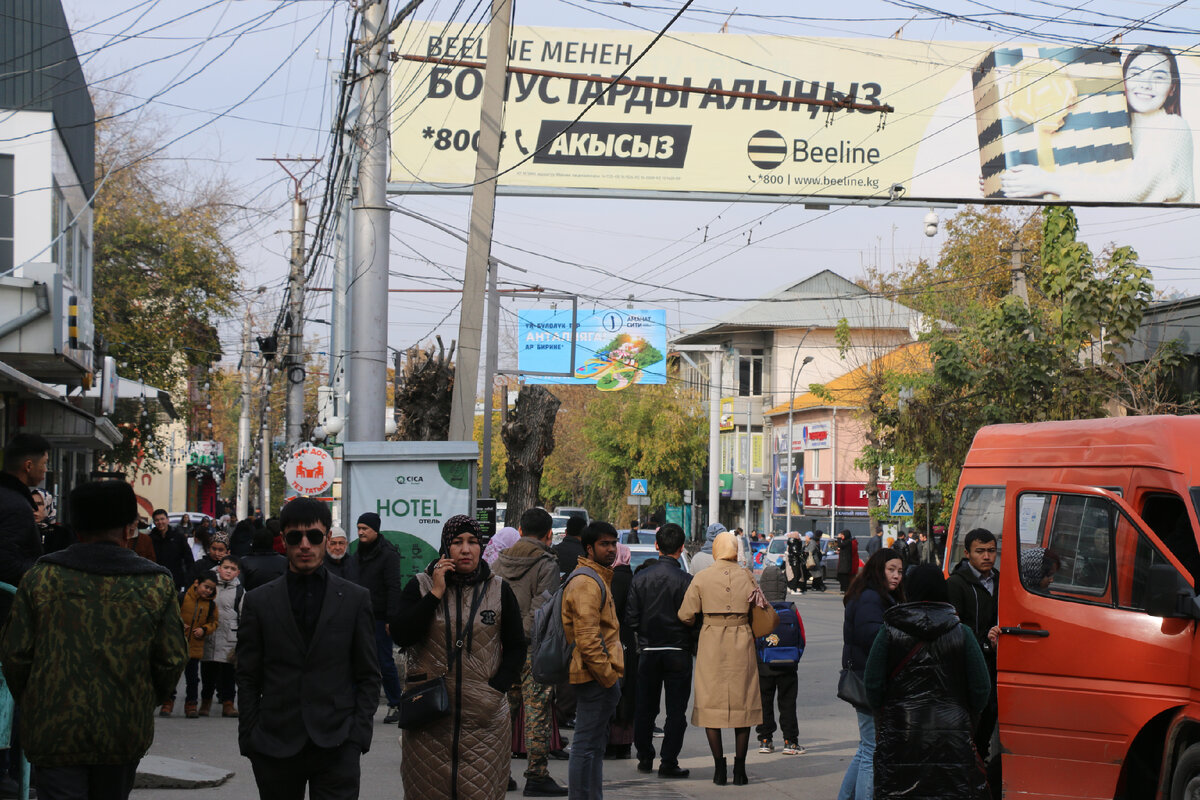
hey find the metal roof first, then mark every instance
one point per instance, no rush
(822, 301)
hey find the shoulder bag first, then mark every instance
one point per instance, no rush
(428, 702)
(852, 689)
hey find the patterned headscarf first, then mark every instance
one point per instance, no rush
(503, 540)
(455, 527)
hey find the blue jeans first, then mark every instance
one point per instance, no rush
(387, 664)
(859, 783)
(594, 707)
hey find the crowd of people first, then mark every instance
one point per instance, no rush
(294, 633)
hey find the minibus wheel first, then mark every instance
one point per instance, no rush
(1185, 783)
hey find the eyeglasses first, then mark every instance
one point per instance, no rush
(314, 536)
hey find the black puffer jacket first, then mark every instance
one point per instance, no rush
(927, 700)
(379, 573)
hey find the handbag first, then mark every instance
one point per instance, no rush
(762, 620)
(812, 561)
(852, 689)
(424, 703)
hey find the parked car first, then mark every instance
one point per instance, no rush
(194, 517)
(502, 515)
(558, 524)
(573, 511)
(641, 553)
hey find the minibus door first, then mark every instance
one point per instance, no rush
(1097, 626)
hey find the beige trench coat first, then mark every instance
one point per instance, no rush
(727, 693)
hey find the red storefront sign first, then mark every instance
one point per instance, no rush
(849, 495)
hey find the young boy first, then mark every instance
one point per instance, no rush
(778, 662)
(217, 671)
(200, 619)
(218, 548)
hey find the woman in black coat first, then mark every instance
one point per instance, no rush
(845, 567)
(927, 681)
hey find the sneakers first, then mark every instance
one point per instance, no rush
(543, 787)
(790, 748)
(393, 716)
(658, 732)
(766, 746)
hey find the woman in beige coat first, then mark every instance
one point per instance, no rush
(727, 693)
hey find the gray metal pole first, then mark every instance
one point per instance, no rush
(369, 282)
(489, 388)
(295, 357)
(264, 450)
(339, 319)
(483, 208)
(714, 437)
(749, 458)
(243, 485)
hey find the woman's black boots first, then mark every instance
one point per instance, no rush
(720, 777)
(739, 772)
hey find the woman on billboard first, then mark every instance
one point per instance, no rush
(1161, 170)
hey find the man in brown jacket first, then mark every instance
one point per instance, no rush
(530, 568)
(598, 662)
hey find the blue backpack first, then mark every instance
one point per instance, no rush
(783, 646)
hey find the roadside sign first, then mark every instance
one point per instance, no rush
(901, 503)
(637, 500)
(926, 476)
(639, 487)
(309, 471)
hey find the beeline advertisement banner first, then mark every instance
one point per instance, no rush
(972, 121)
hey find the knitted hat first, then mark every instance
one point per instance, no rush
(103, 505)
(371, 520)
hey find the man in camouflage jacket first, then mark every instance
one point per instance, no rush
(94, 621)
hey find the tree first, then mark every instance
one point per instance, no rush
(528, 435)
(163, 271)
(424, 385)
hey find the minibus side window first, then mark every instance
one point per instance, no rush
(1166, 515)
(1066, 546)
(978, 507)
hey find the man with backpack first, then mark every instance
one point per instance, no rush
(530, 569)
(779, 655)
(590, 625)
(665, 646)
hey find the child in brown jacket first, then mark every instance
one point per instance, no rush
(200, 619)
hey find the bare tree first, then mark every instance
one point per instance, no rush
(424, 382)
(528, 434)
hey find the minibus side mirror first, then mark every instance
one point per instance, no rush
(1168, 594)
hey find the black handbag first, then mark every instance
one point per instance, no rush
(424, 703)
(852, 689)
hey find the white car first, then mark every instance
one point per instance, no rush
(642, 553)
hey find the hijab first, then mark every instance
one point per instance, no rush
(725, 546)
(710, 534)
(455, 527)
(624, 555)
(503, 540)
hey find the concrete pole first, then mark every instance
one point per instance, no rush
(483, 208)
(339, 322)
(749, 459)
(489, 388)
(714, 437)
(1018, 274)
(295, 357)
(244, 448)
(369, 282)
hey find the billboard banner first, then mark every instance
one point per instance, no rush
(713, 114)
(614, 349)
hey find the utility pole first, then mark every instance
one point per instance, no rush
(483, 208)
(369, 273)
(714, 436)
(244, 448)
(264, 448)
(489, 380)
(1018, 274)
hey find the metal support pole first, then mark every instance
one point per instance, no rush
(483, 208)
(714, 437)
(749, 458)
(1018, 274)
(489, 380)
(833, 473)
(264, 450)
(244, 448)
(369, 283)
(294, 366)
(339, 318)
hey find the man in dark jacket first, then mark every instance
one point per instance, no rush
(972, 590)
(530, 569)
(873, 544)
(94, 597)
(25, 462)
(171, 550)
(665, 647)
(570, 548)
(379, 573)
(263, 564)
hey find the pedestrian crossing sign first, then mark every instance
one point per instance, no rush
(639, 487)
(901, 504)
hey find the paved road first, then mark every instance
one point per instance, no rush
(827, 730)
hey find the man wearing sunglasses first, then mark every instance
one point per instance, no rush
(307, 670)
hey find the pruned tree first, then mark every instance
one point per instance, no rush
(528, 435)
(424, 384)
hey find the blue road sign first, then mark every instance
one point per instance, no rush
(901, 504)
(640, 487)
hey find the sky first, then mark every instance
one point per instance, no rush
(234, 82)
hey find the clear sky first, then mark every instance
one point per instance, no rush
(241, 80)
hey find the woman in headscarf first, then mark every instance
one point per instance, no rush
(464, 625)
(620, 730)
(704, 558)
(727, 694)
(1038, 566)
(503, 540)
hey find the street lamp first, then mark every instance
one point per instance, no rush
(790, 449)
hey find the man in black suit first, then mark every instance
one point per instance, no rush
(307, 672)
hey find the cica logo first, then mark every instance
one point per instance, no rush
(409, 479)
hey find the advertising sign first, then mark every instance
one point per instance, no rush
(727, 421)
(815, 436)
(850, 494)
(309, 471)
(207, 455)
(614, 349)
(713, 113)
(413, 496)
